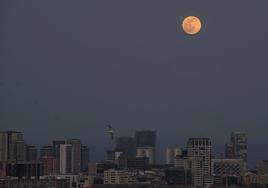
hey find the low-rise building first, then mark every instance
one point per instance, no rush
(263, 180)
(25, 169)
(178, 176)
(97, 169)
(118, 177)
(138, 163)
(263, 167)
(250, 179)
(228, 167)
(34, 183)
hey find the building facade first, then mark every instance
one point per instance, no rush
(65, 159)
(76, 155)
(56, 152)
(228, 167)
(118, 177)
(32, 153)
(145, 138)
(85, 157)
(199, 152)
(21, 150)
(3, 146)
(148, 152)
(171, 153)
(126, 145)
(35, 183)
(50, 165)
(238, 146)
(263, 167)
(25, 169)
(47, 151)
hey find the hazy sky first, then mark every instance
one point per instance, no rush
(67, 68)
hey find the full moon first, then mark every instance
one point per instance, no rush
(191, 25)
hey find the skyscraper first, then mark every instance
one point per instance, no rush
(21, 150)
(76, 154)
(148, 152)
(229, 151)
(56, 147)
(145, 138)
(46, 151)
(85, 153)
(13, 137)
(65, 159)
(3, 146)
(199, 152)
(238, 147)
(32, 153)
(56, 152)
(126, 145)
(145, 144)
(49, 163)
(8, 145)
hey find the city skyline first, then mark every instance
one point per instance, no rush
(159, 148)
(68, 160)
(134, 85)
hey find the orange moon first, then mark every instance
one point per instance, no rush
(191, 25)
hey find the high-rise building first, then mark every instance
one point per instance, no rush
(32, 153)
(8, 145)
(65, 161)
(110, 156)
(240, 144)
(146, 152)
(21, 150)
(76, 155)
(145, 138)
(238, 147)
(49, 163)
(199, 152)
(13, 137)
(145, 144)
(12, 146)
(56, 152)
(2, 170)
(3, 146)
(56, 147)
(229, 151)
(47, 151)
(171, 153)
(113, 155)
(126, 145)
(183, 161)
(85, 153)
